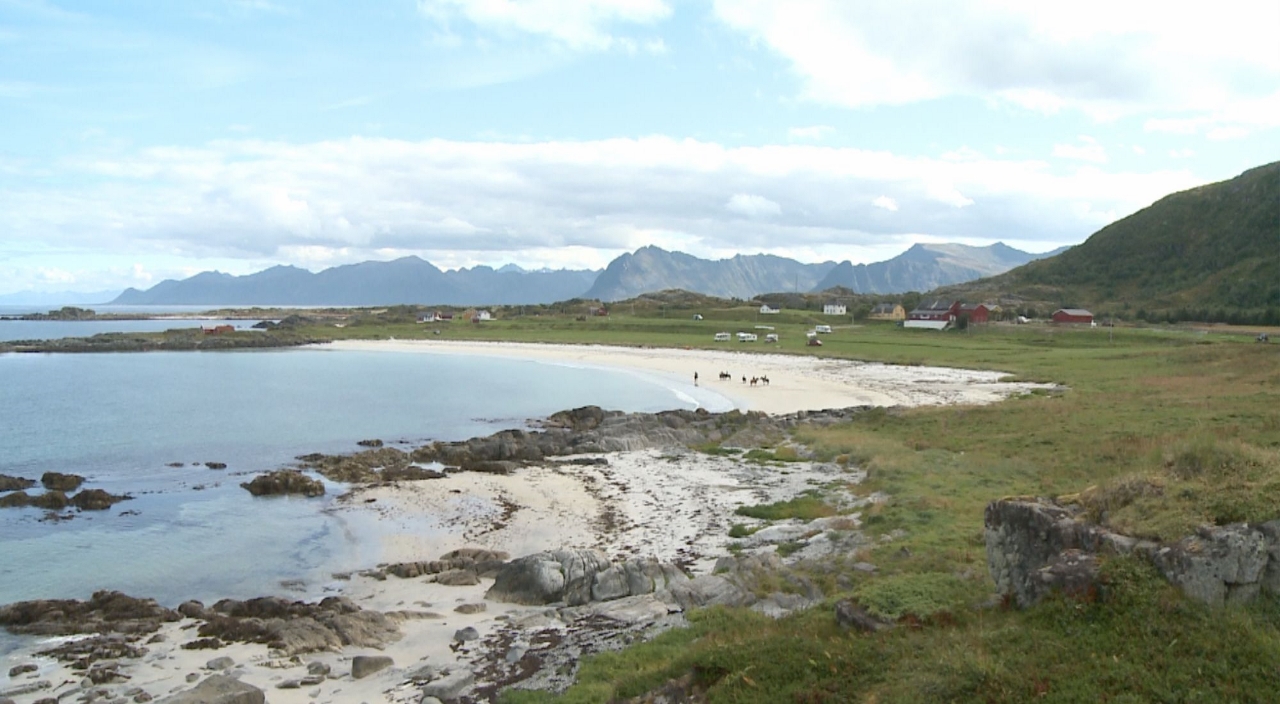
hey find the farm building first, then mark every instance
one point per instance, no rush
(1072, 315)
(766, 310)
(937, 310)
(978, 312)
(887, 311)
(834, 309)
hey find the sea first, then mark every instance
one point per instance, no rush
(145, 424)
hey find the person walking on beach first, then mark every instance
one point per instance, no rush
(695, 378)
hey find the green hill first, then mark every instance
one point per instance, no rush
(1209, 253)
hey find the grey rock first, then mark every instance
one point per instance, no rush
(449, 687)
(429, 700)
(464, 635)
(364, 665)
(220, 663)
(458, 578)
(850, 615)
(475, 608)
(549, 577)
(142, 698)
(515, 654)
(311, 680)
(26, 688)
(318, 668)
(289, 684)
(192, 677)
(218, 689)
(23, 669)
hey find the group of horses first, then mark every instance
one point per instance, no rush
(754, 380)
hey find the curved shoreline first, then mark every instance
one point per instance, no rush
(797, 383)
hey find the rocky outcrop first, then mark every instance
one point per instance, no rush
(56, 481)
(8, 483)
(284, 481)
(104, 612)
(576, 577)
(294, 627)
(364, 665)
(218, 689)
(1036, 547)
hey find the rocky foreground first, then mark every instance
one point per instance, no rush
(643, 538)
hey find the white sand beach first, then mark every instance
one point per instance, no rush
(796, 383)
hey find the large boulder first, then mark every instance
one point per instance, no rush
(284, 481)
(549, 577)
(218, 689)
(577, 577)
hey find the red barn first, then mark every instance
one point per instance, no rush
(978, 313)
(1072, 315)
(939, 309)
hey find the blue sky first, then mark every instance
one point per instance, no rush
(141, 141)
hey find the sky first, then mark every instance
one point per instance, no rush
(141, 141)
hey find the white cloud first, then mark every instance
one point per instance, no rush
(545, 203)
(752, 206)
(1182, 153)
(1104, 58)
(1087, 150)
(582, 25)
(812, 133)
(886, 203)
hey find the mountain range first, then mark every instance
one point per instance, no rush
(413, 280)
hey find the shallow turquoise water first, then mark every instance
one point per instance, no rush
(192, 532)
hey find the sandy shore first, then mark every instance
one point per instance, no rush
(796, 383)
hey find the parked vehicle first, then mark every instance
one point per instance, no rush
(771, 337)
(822, 328)
(722, 337)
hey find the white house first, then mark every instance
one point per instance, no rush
(834, 309)
(483, 315)
(766, 310)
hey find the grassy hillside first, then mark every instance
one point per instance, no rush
(1210, 253)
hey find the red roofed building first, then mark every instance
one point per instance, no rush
(1072, 315)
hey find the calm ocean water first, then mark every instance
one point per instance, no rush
(192, 532)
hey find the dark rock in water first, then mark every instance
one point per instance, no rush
(364, 665)
(56, 481)
(49, 500)
(284, 481)
(23, 669)
(175, 464)
(370, 443)
(216, 465)
(104, 612)
(15, 500)
(96, 500)
(218, 689)
(8, 483)
(363, 467)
